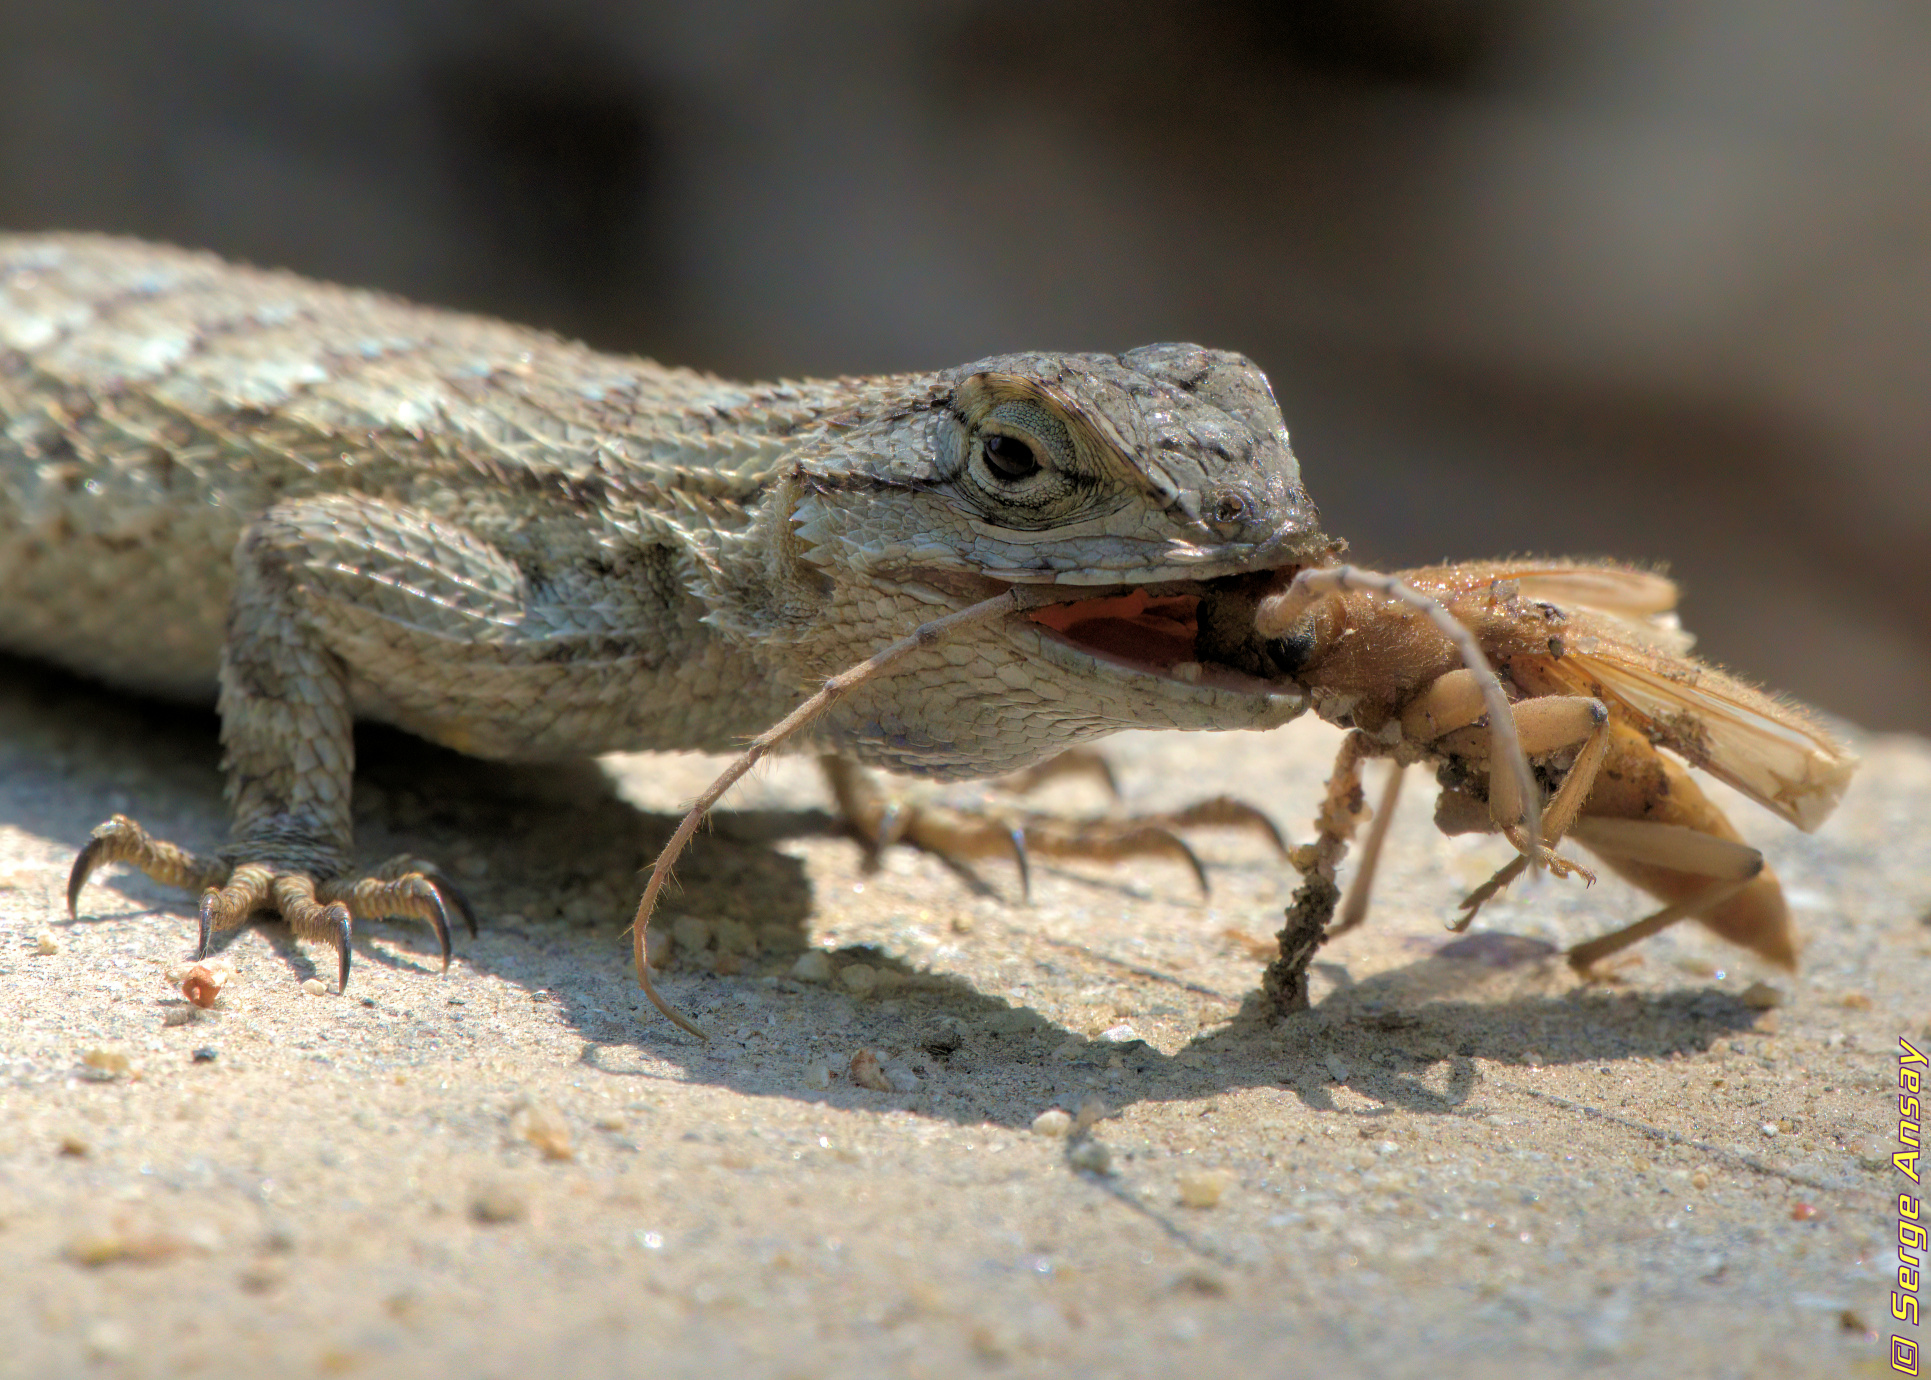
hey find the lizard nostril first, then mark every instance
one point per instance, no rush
(1232, 506)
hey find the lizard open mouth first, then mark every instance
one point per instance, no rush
(1159, 631)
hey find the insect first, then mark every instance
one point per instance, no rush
(1599, 679)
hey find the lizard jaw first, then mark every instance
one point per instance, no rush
(1152, 633)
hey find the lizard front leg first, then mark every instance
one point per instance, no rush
(310, 577)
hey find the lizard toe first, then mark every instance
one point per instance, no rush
(312, 912)
(326, 908)
(121, 840)
(420, 893)
(958, 835)
(248, 889)
(451, 895)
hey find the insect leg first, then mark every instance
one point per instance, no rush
(1551, 724)
(1512, 792)
(1313, 907)
(1354, 906)
(1704, 871)
(883, 663)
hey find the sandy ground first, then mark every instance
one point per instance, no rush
(1460, 1163)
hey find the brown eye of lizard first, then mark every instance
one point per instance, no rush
(1010, 458)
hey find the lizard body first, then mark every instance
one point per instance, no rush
(313, 503)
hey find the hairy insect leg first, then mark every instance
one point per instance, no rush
(1512, 789)
(874, 667)
(1706, 874)
(1311, 912)
(1641, 791)
(1552, 724)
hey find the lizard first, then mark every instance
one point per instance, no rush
(310, 504)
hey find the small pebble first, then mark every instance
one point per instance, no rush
(207, 1054)
(1204, 1188)
(1804, 1212)
(262, 1277)
(1854, 1001)
(860, 978)
(107, 1340)
(945, 1037)
(1338, 1068)
(1761, 996)
(46, 944)
(1203, 1282)
(1053, 1123)
(1091, 1156)
(74, 1147)
(818, 1075)
(543, 1126)
(1013, 1020)
(202, 982)
(866, 1072)
(1699, 1180)
(179, 1015)
(315, 987)
(734, 936)
(780, 938)
(498, 1203)
(107, 1063)
(812, 966)
(658, 947)
(691, 933)
(95, 1249)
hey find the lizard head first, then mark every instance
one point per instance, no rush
(1120, 490)
(1167, 462)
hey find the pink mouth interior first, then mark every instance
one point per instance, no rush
(1155, 631)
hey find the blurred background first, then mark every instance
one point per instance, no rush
(1649, 280)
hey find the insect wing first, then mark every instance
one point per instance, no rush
(1769, 750)
(1638, 604)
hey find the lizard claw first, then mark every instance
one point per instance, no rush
(336, 917)
(451, 896)
(1022, 860)
(1225, 812)
(122, 840)
(223, 907)
(91, 855)
(325, 910)
(257, 886)
(405, 887)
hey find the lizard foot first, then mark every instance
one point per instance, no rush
(959, 835)
(322, 908)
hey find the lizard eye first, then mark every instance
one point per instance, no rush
(1010, 459)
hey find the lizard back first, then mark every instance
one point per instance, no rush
(152, 400)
